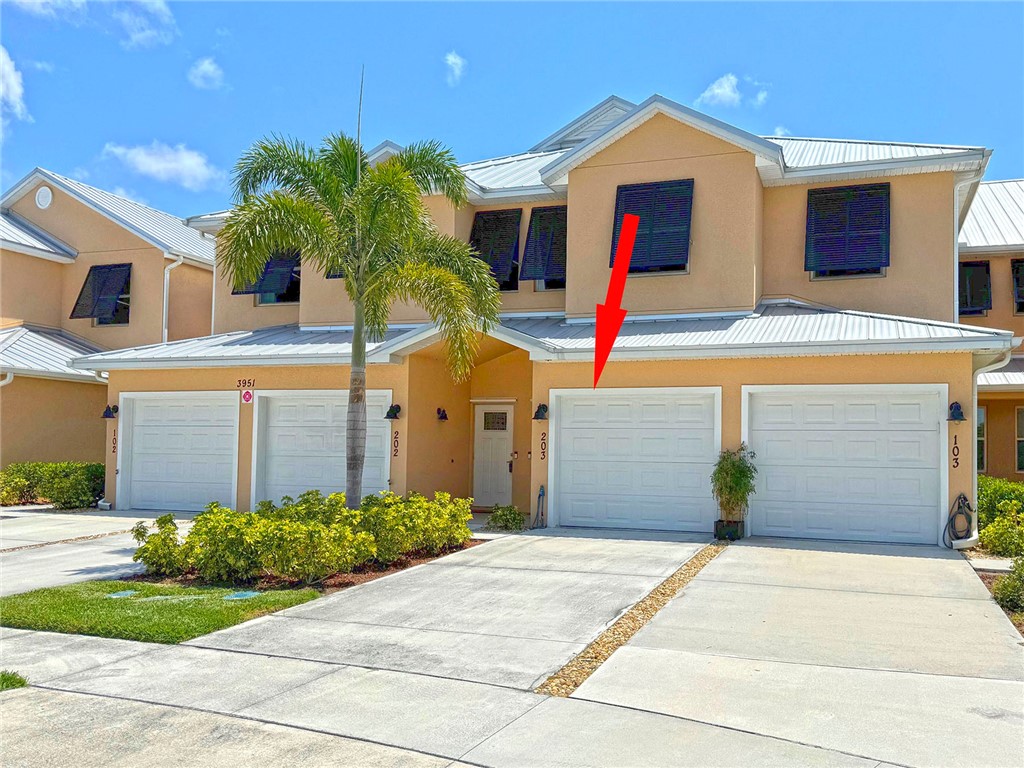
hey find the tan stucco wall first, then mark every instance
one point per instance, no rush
(190, 302)
(30, 290)
(241, 313)
(1003, 314)
(1001, 433)
(953, 369)
(918, 283)
(49, 420)
(724, 232)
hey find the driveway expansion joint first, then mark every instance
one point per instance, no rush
(980, 598)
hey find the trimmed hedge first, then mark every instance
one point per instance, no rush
(1008, 590)
(305, 539)
(65, 484)
(992, 491)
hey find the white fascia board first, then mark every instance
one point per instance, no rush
(398, 348)
(586, 117)
(1001, 387)
(997, 250)
(806, 175)
(161, 363)
(84, 378)
(39, 253)
(554, 172)
(512, 194)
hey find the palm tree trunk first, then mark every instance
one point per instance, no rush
(355, 429)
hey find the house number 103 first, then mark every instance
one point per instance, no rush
(956, 453)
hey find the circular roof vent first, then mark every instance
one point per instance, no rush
(44, 196)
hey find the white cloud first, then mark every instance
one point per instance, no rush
(725, 91)
(12, 93)
(178, 164)
(41, 66)
(781, 130)
(456, 66)
(761, 98)
(50, 8)
(206, 74)
(145, 23)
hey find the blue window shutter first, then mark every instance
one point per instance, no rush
(100, 291)
(495, 236)
(544, 254)
(975, 287)
(277, 274)
(847, 228)
(665, 209)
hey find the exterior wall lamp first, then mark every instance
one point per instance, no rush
(542, 413)
(110, 412)
(956, 413)
(442, 414)
(393, 412)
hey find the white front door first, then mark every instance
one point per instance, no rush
(492, 455)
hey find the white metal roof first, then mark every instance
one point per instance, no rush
(995, 221)
(810, 153)
(29, 350)
(16, 234)
(513, 171)
(1008, 378)
(580, 129)
(162, 230)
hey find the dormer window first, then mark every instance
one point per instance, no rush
(495, 236)
(663, 237)
(545, 251)
(847, 231)
(106, 295)
(279, 283)
(975, 288)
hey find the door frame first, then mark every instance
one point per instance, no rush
(493, 405)
(555, 423)
(259, 419)
(125, 422)
(939, 390)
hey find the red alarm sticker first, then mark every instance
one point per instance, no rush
(246, 396)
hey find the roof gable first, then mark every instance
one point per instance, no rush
(16, 234)
(592, 121)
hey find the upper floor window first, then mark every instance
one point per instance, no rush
(975, 288)
(544, 254)
(847, 231)
(279, 283)
(105, 295)
(663, 236)
(1017, 268)
(495, 236)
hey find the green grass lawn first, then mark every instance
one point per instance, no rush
(180, 614)
(9, 680)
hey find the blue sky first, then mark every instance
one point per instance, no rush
(157, 100)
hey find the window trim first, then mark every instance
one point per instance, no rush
(818, 277)
(983, 312)
(982, 416)
(1019, 439)
(539, 287)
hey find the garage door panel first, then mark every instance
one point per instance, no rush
(638, 444)
(652, 512)
(909, 525)
(845, 448)
(841, 411)
(659, 413)
(918, 487)
(177, 412)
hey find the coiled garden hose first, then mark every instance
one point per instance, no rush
(960, 522)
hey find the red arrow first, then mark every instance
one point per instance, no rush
(611, 314)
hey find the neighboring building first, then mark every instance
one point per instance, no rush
(83, 271)
(992, 295)
(799, 295)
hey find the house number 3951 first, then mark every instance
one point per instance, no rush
(955, 452)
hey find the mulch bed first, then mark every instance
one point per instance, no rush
(330, 585)
(989, 579)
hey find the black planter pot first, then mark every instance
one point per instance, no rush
(728, 530)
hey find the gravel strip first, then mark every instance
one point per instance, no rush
(570, 677)
(66, 541)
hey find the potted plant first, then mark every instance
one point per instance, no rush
(732, 482)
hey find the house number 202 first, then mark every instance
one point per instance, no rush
(394, 444)
(956, 453)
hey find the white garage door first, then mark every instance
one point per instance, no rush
(302, 444)
(181, 451)
(629, 459)
(835, 464)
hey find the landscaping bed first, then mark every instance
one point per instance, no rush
(1017, 617)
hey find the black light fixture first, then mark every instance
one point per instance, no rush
(542, 413)
(442, 414)
(956, 412)
(110, 412)
(393, 412)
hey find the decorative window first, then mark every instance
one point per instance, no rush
(495, 421)
(495, 236)
(975, 288)
(1020, 439)
(847, 231)
(982, 436)
(279, 283)
(663, 236)
(544, 254)
(105, 295)
(1017, 268)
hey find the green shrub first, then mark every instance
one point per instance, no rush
(1008, 590)
(160, 551)
(438, 524)
(732, 481)
(385, 517)
(224, 544)
(310, 551)
(1004, 536)
(66, 484)
(506, 518)
(991, 492)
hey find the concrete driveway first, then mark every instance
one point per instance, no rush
(893, 653)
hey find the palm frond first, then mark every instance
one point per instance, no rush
(278, 163)
(454, 256)
(344, 158)
(435, 170)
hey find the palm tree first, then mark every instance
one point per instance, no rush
(369, 225)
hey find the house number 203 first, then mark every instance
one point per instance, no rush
(955, 451)
(543, 446)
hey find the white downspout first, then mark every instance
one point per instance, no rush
(8, 378)
(167, 290)
(973, 179)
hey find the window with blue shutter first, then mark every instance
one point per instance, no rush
(105, 295)
(279, 283)
(847, 230)
(975, 288)
(495, 236)
(1017, 269)
(544, 254)
(663, 236)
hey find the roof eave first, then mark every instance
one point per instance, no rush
(809, 174)
(28, 250)
(85, 378)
